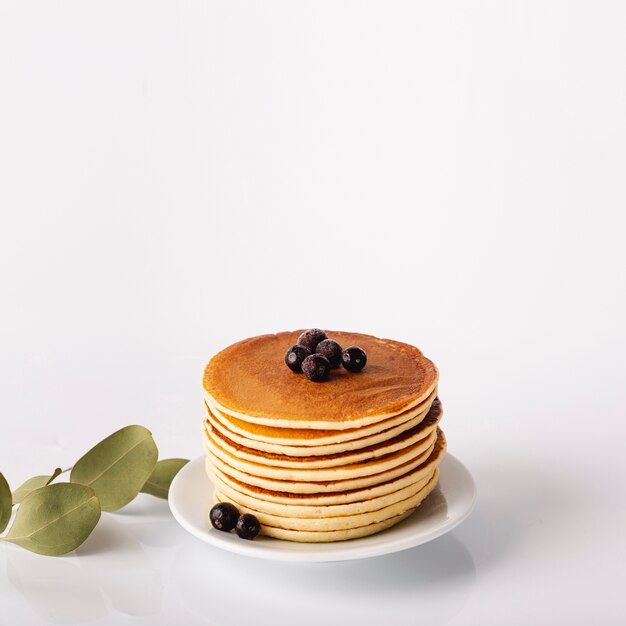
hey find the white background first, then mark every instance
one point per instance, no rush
(175, 176)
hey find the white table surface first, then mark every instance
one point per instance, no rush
(177, 176)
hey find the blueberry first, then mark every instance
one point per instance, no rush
(310, 338)
(353, 359)
(294, 357)
(331, 350)
(316, 368)
(224, 516)
(248, 526)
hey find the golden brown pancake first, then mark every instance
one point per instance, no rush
(250, 381)
(322, 461)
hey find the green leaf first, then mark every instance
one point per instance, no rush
(6, 503)
(55, 519)
(118, 467)
(34, 483)
(161, 478)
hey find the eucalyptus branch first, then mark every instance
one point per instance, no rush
(54, 519)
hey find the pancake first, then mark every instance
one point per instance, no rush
(304, 451)
(399, 442)
(289, 486)
(318, 487)
(309, 436)
(326, 530)
(250, 381)
(333, 535)
(323, 510)
(413, 475)
(325, 523)
(322, 462)
(369, 466)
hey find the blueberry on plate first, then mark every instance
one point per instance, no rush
(224, 516)
(248, 526)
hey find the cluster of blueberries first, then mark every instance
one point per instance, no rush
(225, 516)
(315, 354)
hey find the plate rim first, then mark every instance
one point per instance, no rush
(341, 551)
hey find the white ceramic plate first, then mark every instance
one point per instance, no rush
(191, 497)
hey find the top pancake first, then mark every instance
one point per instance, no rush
(249, 380)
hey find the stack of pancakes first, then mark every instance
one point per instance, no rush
(325, 461)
